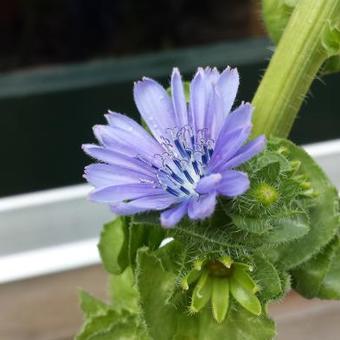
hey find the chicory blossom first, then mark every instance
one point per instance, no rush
(191, 156)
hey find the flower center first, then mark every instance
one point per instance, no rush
(184, 161)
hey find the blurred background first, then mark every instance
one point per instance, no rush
(63, 63)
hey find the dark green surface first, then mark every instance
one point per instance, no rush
(46, 114)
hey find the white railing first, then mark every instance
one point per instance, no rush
(56, 230)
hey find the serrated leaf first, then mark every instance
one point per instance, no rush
(143, 235)
(123, 292)
(276, 14)
(98, 324)
(323, 215)
(272, 159)
(270, 172)
(251, 224)
(268, 279)
(330, 287)
(147, 218)
(113, 245)
(127, 330)
(239, 325)
(309, 276)
(90, 305)
(286, 229)
(155, 287)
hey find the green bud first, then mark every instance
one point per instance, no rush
(215, 281)
(244, 266)
(242, 276)
(310, 193)
(305, 185)
(282, 150)
(202, 293)
(226, 261)
(295, 165)
(191, 277)
(245, 297)
(220, 298)
(266, 194)
(198, 263)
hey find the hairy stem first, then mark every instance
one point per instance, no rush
(294, 66)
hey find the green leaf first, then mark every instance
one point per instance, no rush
(113, 245)
(268, 279)
(126, 330)
(124, 295)
(323, 215)
(330, 287)
(155, 287)
(147, 218)
(142, 234)
(251, 224)
(239, 325)
(97, 324)
(270, 163)
(286, 229)
(320, 276)
(90, 305)
(276, 14)
(271, 171)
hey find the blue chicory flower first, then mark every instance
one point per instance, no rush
(190, 158)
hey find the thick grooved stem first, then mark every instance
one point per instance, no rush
(295, 63)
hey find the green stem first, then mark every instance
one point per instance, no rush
(294, 65)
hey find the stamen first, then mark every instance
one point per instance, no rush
(184, 160)
(180, 148)
(186, 174)
(172, 191)
(187, 192)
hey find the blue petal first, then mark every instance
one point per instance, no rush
(117, 120)
(233, 183)
(247, 152)
(103, 175)
(170, 217)
(132, 145)
(198, 100)
(202, 207)
(116, 158)
(147, 203)
(154, 105)
(178, 99)
(120, 193)
(211, 75)
(228, 84)
(215, 113)
(234, 133)
(208, 183)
